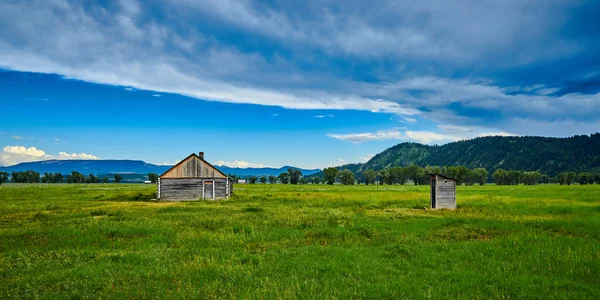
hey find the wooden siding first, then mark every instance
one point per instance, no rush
(177, 189)
(445, 193)
(193, 167)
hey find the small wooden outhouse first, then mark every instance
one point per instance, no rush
(442, 191)
(193, 178)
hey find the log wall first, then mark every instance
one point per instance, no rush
(178, 189)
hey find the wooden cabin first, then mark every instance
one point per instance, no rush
(442, 191)
(193, 179)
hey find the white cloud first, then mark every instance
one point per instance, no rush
(449, 133)
(457, 129)
(408, 120)
(340, 160)
(16, 137)
(425, 137)
(21, 150)
(366, 158)
(64, 155)
(239, 164)
(11, 155)
(156, 95)
(57, 140)
(274, 115)
(129, 89)
(324, 116)
(166, 164)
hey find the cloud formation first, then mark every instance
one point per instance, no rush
(11, 155)
(447, 133)
(239, 164)
(457, 63)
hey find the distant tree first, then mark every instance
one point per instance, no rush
(478, 175)
(263, 179)
(303, 180)
(45, 178)
(272, 179)
(3, 177)
(585, 178)
(252, 179)
(91, 178)
(346, 177)
(412, 173)
(25, 177)
(284, 178)
(561, 178)
(315, 180)
(422, 177)
(433, 170)
(384, 177)
(105, 179)
(571, 177)
(294, 175)
(500, 177)
(118, 178)
(515, 177)
(398, 175)
(58, 178)
(329, 175)
(531, 178)
(153, 177)
(597, 177)
(75, 177)
(545, 179)
(370, 176)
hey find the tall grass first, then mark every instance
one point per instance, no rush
(311, 241)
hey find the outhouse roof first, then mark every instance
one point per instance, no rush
(440, 175)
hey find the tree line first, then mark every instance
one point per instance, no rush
(404, 175)
(75, 177)
(420, 176)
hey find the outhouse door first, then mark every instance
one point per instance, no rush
(433, 195)
(209, 191)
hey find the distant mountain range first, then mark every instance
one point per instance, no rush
(107, 167)
(528, 153)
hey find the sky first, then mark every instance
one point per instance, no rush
(304, 83)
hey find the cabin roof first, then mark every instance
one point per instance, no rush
(200, 158)
(440, 175)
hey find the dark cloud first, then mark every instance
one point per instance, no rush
(485, 63)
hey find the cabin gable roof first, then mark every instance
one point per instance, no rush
(185, 160)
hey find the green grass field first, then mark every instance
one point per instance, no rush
(311, 241)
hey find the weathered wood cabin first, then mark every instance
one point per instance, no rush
(443, 191)
(193, 179)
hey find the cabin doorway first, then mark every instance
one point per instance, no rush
(209, 190)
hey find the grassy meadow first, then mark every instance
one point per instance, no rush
(308, 241)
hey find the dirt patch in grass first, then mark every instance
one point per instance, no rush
(467, 232)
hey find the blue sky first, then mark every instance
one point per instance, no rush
(272, 83)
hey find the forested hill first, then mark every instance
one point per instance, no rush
(546, 155)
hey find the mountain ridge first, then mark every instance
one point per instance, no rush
(129, 166)
(548, 155)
